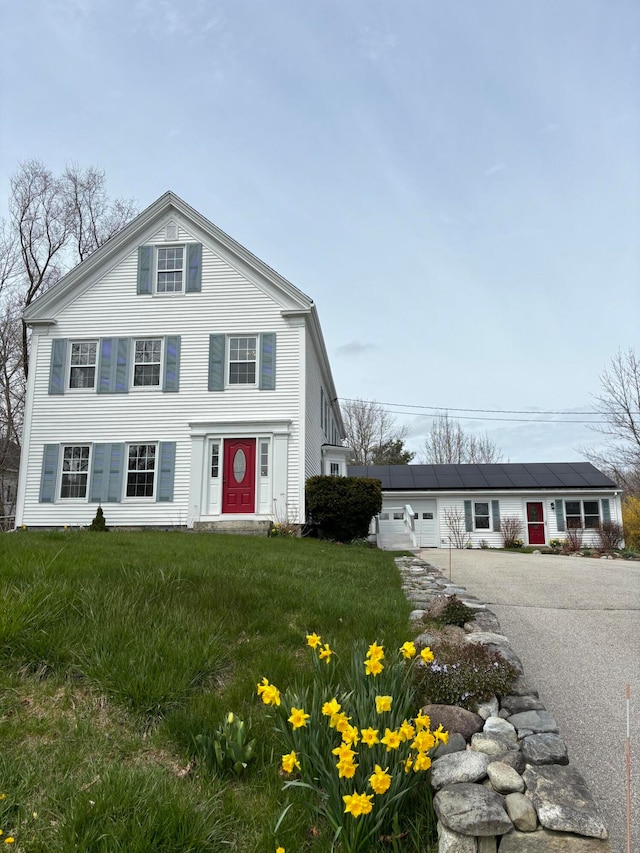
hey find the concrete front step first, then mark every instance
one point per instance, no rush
(242, 527)
(396, 543)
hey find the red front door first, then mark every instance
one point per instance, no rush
(535, 523)
(239, 475)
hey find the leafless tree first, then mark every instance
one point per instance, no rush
(55, 223)
(448, 443)
(511, 529)
(369, 429)
(619, 405)
(457, 527)
(12, 392)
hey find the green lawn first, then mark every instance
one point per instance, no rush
(116, 650)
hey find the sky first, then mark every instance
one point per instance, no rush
(456, 185)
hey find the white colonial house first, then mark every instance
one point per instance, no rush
(438, 506)
(178, 381)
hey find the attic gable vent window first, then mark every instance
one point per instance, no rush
(171, 231)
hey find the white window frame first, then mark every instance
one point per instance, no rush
(133, 471)
(334, 469)
(239, 361)
(71, 367)
(73, 471)
(476, 516)
(583, 515)
(135, 363)
(157, 272)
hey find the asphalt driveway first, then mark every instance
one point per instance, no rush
(575, 624)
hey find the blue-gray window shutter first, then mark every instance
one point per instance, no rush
(116, 465)
(58, 365)
(268, 361)
(606, 510)
(113, 365)
(194, 268)
(49, 473)
(216, 362)
(495, 512)
(145, 269)
(468, 518)
(166, 471)
(560, 515)
(121, 380)
(171, 379)
(97, 487)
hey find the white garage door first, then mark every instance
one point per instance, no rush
(426, 523)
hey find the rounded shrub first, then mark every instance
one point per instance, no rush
(343, 507)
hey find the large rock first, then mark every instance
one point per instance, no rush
(533, 722)
(514, 758)
(472, 810)
(453, 842)
(484, 621)
(496, 725)
(562, 800)
(544, 748)
(517, 704)
(521, 812)
(459, 767)
(456, 743)
(544, 841)
(497, 643)
(503, 778)
(493, 744)
(454, 719)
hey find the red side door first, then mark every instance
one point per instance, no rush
(535, 523)
(239, 475)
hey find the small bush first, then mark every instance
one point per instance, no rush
(609, 535)
(631, 521)
(343, 506)
(464, 675)
(511, 530)
(449, 610)
(573, 543)
(98, 525)
(556, 545)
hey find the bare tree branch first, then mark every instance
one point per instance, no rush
(369, 429)
(448, 443)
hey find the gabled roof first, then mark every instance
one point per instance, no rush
(495, 476)
(43, 309)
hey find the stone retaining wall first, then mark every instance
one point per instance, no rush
(503, 782)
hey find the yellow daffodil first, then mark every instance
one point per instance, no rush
(441, 735)
(383, 703)
(350, 735)
(3, 796)
(346, 769)
(290, 762)
(391, 739)
(380, 780)
(313, 640)
(298, 718)
(357, 804)
(375, 652)
(422, 721)
(331, 708)
(427, 655)
(407, 731)
(325, 653)
(370, 737)
(373, 666)
(408, 765)
(424, 741)
(344, 752)
(408, 650)
(422, 762)
(10, 840)
(279, 849)
(269, 693)
(339, 722)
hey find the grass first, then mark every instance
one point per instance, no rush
(117, 650)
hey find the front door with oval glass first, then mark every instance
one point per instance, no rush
(535, 522)
(239, 475)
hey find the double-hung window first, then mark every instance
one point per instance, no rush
(147, 362)
(242, 360)
(170, 271)
(75, 471)
(141, 468)
(582, 514)
(82, 367)
(481, 517)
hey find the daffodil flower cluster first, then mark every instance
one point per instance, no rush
(351, 737)
(9, 839)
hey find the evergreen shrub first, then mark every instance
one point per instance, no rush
(343, 507)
